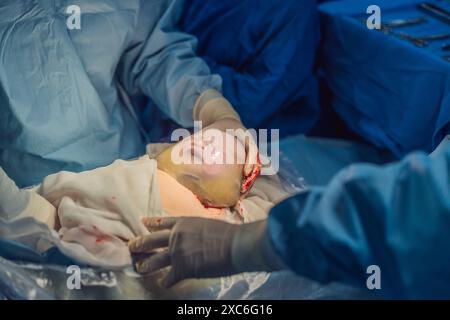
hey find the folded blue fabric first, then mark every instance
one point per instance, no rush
(387, 90)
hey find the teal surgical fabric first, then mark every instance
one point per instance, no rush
(395, 216)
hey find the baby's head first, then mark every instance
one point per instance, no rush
(210, 164)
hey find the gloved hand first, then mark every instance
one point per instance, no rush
(216, 112)
(203, 248)
(16, 203)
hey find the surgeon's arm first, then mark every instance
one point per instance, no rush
(396, 217)
(161, 63)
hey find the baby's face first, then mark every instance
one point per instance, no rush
(210, 164)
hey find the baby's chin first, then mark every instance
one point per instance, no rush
(218, 199)
(179, 200)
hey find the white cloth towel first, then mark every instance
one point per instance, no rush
(100, 210)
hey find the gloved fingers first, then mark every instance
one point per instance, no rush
(251, 158)
(150, 242)
(158, 223)
(251, 150)
(154, 262)
(170, 279)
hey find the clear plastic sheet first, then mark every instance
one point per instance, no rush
(36, 281)
(290, 178)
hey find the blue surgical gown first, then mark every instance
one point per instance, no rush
(65, 94)
(265, 52)
(395, 216)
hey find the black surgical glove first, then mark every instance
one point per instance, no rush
(203, 248)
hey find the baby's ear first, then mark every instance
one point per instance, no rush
(155, 149)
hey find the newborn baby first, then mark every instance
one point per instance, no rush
(199, 164)
(96, 212)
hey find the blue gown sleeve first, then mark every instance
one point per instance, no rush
(160, 62)
(395, 216)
